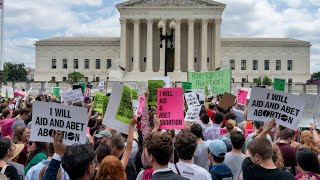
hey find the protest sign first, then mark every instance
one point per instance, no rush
(186, 86)
(248, 90)
(76, 86)
(10, 92)
(311, 111)
(153, 85)
(98, 102)
(83, 86)
(101, 86)
(242, 97)
(210, 93)
(134, 94)
(56, 92)
(170, 108)
(72, 96)
(4, 91)
(192, 113)
(227, 101)
(200, 94)
(279, 84)
(87, 92)
(191, 99)
(220, 80)
(119, 111)
(267, 104)
(135, 105)
(142, 88)
(165, 79)
(70, 120)
(141, 101)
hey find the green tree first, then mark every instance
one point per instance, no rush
(75, 77)
(257, 80)
(266, 81)
(14, 72)
(315, 75)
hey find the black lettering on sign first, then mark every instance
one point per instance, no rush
(75, 125)
(41, 121)
(44, 132)
(290, 110)
(57, 123)
(166, 93)
(279, 98)
(164, 114)
(62, 113)
(273, 114)
(257, 103)
(170, 122)
(163, 100)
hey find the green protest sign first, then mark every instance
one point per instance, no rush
(98, 102)
(105, 104)
(219, 80)
(56, 92)
(279, 84)
(83, 86)
(125, 110)
(134, 93)
(153, 86)
(186, 86)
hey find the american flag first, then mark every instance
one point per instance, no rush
(1, 4)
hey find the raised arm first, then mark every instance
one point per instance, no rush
(315, 134)
(127, 151)
(266, 130)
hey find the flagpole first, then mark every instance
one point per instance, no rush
(1, 50)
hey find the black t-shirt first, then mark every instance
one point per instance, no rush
(11, 173)
(256, 172)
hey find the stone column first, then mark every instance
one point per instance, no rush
(136, 45)
(191, 45)
(149, 67)
(123, 44)
(177, 49)
(217, 43)
(162, 50)
(204, 48)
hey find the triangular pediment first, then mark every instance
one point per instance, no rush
(155, 3)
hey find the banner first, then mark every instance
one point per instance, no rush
(165, 79)
(170, 108)
(193, 113)
(186, 86)
(220, 80)
(311, 111)
(242, 97)
(101, 86)
(10, 92)
(267, 104)
(98, 102)
(119, 111)
(153, 85)
(56, 92)
(73, 96)
(47, 117)
(4, 91)
(279, 84)
(191, 99)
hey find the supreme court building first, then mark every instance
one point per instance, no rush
(197, 46)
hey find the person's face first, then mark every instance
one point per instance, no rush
(104, 140)
(25, 116)
(26, 134)
(31, 146)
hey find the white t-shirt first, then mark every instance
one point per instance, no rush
(191, 171)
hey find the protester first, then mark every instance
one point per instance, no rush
(258, 128)
(22, 136)
(6, 123)
(102, 151)
(7, 149)
(211, 111)
(308, 162)
(103, 136)
(205, 122)
(111, 169)
(231, 126)
(307, 141)
(21, 118)
(213, 132)
(200, 157)
(277, 157)
(37, 152)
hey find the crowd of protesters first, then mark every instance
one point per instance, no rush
(221, 145)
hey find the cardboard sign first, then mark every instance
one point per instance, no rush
(165, 79)
(4, 91)
(219, 80)
(191, 99)
(267, 104)
(279, 84)
(73, 96)
(47, 117)
(10, 92)
(98, 102)
(186, 86)
(311, 111)
(242, 97)
(248, 90)
(153, 86)
(101, 86)
(56, 92)
(192, 113)
(170, 108)
(227, 101)
(119, 111)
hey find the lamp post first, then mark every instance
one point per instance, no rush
(167, 38)
(247, 77)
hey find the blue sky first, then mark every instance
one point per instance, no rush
(30, 20)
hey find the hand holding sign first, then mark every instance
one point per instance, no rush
(59, 147)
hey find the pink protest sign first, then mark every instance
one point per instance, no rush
(247, 132)
(242, 97)
(170, 108)
(87, 92)
(141, 100)
(223, 131)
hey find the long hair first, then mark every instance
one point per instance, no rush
(308, 160)
(111, 169)
(40, 148)
(17, 134)
(306, 140)
(277, 156)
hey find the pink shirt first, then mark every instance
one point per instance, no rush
(6, 127)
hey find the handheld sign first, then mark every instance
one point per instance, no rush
(70, 120)
(266, 104)
(311, 111)
(4, 91)
(200, 94)
(73, 96)
(153, 85)
(83, 86)
(10, 92)
(191, 99)
(210, 94)
(170, 108)
(192, 113)
(248, 90)
(98, 102)
(135, 105)
(141, 101)
(279, 84)
(242, 97)
(101, 86)
(186, 86)
(219, 80)
(227, 101)
(134, 94)
(165, 79)
(56, 92)
(142, 88)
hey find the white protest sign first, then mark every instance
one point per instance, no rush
(3, 91)
(135, 104)
(192, 113)
(248, 90)
(191, 99)
(311, 111)
(10, 92)
(200, 93)
(27, 94)
(210, 92)
(142, 88)
(266, 104)
(70, 120)
(166, 80)
(73, 96)
(101, 86)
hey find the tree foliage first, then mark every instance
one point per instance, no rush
(75, 77)
(266, 81)
(315, 75)
(15, 72)
(257, 80)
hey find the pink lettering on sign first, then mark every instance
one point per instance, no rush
(170, 108)
(242, 97)
(141, 100)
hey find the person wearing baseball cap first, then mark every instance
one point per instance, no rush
(103, 136)
(217, 149)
